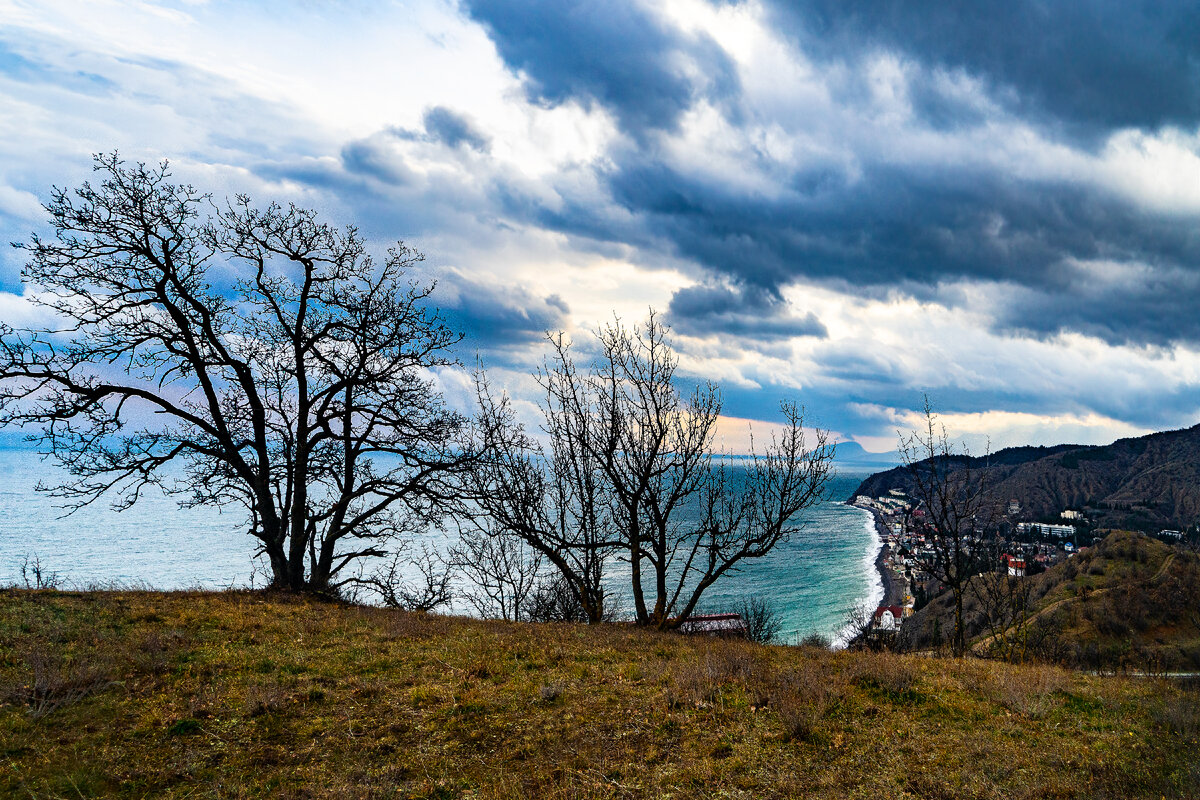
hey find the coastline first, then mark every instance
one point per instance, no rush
(893, 585)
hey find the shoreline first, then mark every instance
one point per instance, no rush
(893, 584)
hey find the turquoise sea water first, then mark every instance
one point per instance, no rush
(813, 580)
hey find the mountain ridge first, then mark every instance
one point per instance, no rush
(1139, 483)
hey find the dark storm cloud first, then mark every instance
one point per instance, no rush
(915, 229)
(453, 129)
(1096, 65)
(1146, 307)
(750, 312)
(1061, 67)
(617, 54)
(871, 226)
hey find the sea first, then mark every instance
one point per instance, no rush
(812, 581)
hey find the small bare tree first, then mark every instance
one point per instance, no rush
(413, 579)
(762, 621)
(1005, 606)
(262, 349)
(857, 625)
(950, 488)
(686, 519)
(502, 570)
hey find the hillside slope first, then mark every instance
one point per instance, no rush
(242, 695)
(1145, 483)
(1130, 602)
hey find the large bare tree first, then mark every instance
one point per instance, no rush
(635, 457)
(266, 351)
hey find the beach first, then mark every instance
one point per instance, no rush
(893, 584)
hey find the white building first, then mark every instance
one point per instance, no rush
(887, 618)
(1045, 529)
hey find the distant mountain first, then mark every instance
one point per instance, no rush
(1145, 483)
(853, 454)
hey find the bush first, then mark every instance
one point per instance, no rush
(1030, 692)
(762, 620)
(816, 641)
(53, 681)
(803, 697)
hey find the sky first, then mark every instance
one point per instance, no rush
(846, 205)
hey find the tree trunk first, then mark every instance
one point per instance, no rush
(960, 645)
(639, 600)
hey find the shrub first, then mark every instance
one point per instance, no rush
(1180, 714)
(265, 698)
(816, 641)
(36, 575)
(551, 692)
(803, 697)
(51, 681)
(762, 620)
(1030, 692)
(886, 676)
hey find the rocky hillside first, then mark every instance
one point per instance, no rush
(1145, 483)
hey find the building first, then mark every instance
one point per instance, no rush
(1046, 529)
(1016, 566)
(730, 626)
(1069, 514)
(1014, 507)
(887, 618)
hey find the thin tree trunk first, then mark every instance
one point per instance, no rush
(960, 646)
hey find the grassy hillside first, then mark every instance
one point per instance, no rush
(1144, 483)
(242, 695)
(1130, 602)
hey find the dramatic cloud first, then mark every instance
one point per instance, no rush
(850, 204)
(621, 55)
(1098, 65)
(754, 314)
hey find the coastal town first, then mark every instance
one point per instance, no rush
(1024, 547)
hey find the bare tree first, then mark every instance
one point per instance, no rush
(419, 580)
(857, 625)
(1006, 608)
(553, 499)
(263, 349)
(687, 519)
(631, 469)
(950, 488)
(502, 570)
(554, 600)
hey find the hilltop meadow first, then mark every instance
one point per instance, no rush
(242, 694)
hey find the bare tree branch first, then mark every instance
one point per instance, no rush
(262, 349)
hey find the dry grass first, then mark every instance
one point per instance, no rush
(239, 695)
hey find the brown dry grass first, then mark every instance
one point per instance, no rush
(241, 695)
